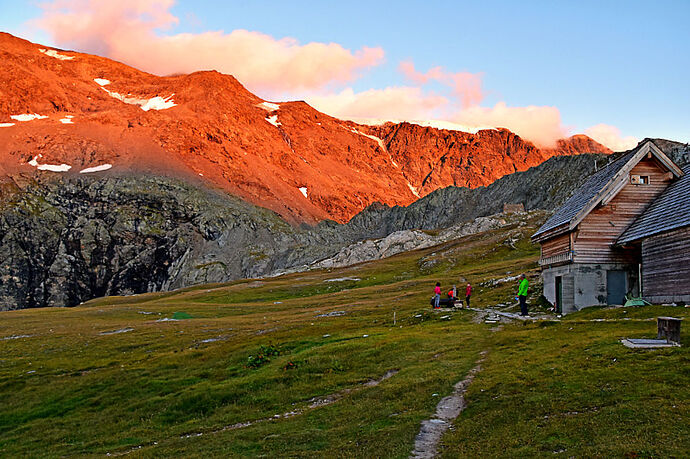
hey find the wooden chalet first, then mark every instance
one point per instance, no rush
(595, 247)
(662, 236)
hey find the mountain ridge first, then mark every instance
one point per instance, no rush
(288, 157)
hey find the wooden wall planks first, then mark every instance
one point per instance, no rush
(665, 267)
(599, 230)
(557, 245)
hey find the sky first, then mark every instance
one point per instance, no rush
(614, 70)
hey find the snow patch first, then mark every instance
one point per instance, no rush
(377, 140)
(56, 55)
(28, 117)
(413, 189)
(54, 167)
(66, 120)
(268, 106)
(154, 103)
(102, 167)
(101, 81)
(372, 137)
(303, 190)
(158, 103)
(48, 167)
(274, 120)
(6, 124)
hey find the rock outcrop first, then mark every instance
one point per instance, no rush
(406, 240)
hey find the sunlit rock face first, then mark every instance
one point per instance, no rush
(68, 112)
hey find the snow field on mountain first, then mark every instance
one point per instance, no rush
(102, 167)
(56, 55)
(48, 167)
(274, 120)
(154, 103)
(54, 167)
(28, 117)
(413, 189)
(268, 106)
(303, 190)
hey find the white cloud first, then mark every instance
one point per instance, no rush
(611, 137)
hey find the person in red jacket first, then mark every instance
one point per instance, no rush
(437, 297)
(468, 294)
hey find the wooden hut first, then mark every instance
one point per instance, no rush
(662, 236)
(583, 262)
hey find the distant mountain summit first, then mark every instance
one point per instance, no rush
(63, 112)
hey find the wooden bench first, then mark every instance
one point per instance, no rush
(668, 328)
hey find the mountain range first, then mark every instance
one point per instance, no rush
(114, 181)
(69, 112)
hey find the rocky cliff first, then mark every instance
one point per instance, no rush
(68, 239)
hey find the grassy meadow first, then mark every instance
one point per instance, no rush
(341, 363)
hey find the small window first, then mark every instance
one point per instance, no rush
(639, 179)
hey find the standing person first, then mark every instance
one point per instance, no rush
(468, 294)
(437, 297)
(522, 294)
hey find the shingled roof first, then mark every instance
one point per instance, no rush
(588, 191)
(602, 186)
(669, 211)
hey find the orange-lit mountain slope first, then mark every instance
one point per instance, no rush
(63, 112)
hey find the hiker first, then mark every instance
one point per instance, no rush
(522, 294)
(468, 294)
(437, 296)
(452, 296)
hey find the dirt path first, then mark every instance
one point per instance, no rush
(429, 436)
(483, 313)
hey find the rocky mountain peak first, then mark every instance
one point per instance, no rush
(64, 112)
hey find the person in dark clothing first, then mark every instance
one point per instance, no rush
(523, 288)
(468, 294)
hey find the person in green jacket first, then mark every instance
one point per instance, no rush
(522, 294)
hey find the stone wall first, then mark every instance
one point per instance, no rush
(585, 285)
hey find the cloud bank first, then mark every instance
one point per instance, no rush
(125, 30)
(134, 32)
(611, 137)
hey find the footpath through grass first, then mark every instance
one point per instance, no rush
(117, 375)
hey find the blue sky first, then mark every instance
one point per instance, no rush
(624, 64)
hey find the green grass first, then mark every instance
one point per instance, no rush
(74, 387)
